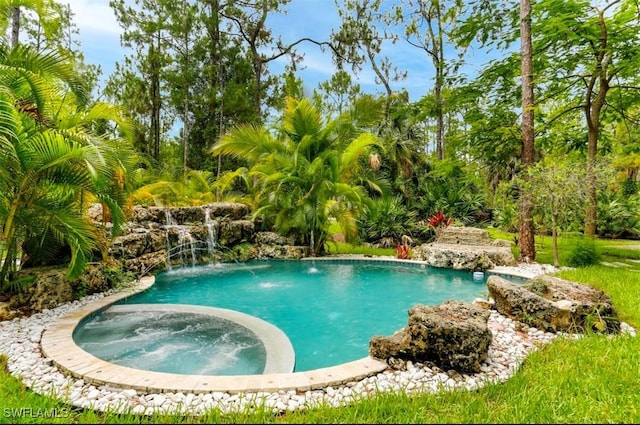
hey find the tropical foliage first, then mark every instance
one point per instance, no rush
(380, 167)
(386, 221)
(51, 162)
(305, 171)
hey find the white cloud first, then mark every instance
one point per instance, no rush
(95, 18)
(99, 33)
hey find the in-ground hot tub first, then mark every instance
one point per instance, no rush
(185, 339)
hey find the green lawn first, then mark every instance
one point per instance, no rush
(610, 250)
(592, 380)
(335, 248)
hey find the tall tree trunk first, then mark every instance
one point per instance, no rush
(526, 231)
(258, 59)
(155, 99)
(186, 128)
(216, 76)
(439, 121)
(220, 119)
(15, 26)
(257, 71)
(554, 237)
(597, 89)
(591, 211)
(439, 65)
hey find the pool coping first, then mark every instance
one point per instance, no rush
(58, 345)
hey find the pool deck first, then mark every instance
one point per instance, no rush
(58, 345)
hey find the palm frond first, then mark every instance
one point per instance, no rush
(246, 141)
(356, 149)
(301, 119)
(53, 64)
(69, 227)
(98, 112)
(225, 182)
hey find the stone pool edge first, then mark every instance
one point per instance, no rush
(57, 344)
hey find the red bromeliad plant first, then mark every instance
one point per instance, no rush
(403, 252)
(439, 221)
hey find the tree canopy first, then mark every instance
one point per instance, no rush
(195, 112)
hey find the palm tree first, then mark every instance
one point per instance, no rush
(305, 172)
(403, 139)
(51, 161)
(10, 12)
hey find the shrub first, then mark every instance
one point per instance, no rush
(618, 216)
(452, 189)
(583, 253)
(403, 252)
(387, 219)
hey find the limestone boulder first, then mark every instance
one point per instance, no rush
(130, 245)
(48, 288)
(553, 304)
(149, 263)
(232, 232)
(460, 257)
(272, 245)
(267, 251)
(94, 212)
(6, 312)
(97, 277)
(461, 235)
(452, 335)
(193, 234)
(230, 210)
(465, 248)
(190, 214)
(272, 238)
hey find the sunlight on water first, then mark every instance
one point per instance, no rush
(334, 315)
(329, 309)
(271, 285)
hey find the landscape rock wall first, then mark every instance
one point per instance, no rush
(154, 239)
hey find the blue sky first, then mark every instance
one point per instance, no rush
(100, 32)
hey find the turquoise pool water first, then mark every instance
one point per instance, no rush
(329, 309)
(172, 342)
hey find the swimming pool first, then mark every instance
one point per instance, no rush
(329, 309)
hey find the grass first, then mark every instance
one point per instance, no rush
(335, 248)
(595, 379)
(610, 250)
